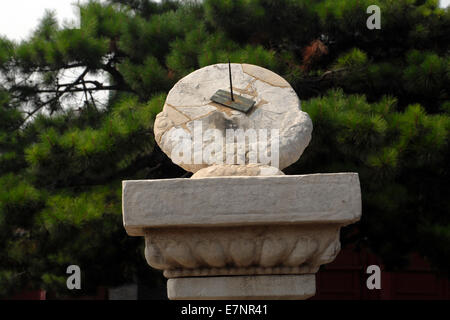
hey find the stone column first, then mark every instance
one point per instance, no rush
(239, 230)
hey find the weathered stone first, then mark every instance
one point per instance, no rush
(246, 250)
(284, 287)
(196, 112)
(228, 201)
(237, 170)
(264, 75)
(277, 107)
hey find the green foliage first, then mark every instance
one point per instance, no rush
(6, 51)
(427, 73)
(379, 101)
(79, 156)
(267, 22)
(149, 77)
(10, 141)
(354, 58)
(401, 157)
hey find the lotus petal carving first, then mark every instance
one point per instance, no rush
(154, 256)
(211, 252)
(303, 250)
(243, 252)
(272, 252)
(181, 253)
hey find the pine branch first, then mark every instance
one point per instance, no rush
(65, 67)
(94, 82)
(85, 91)
(73, 90)
(90, 94)
(56, 97)
(331, 73)
(117, 76)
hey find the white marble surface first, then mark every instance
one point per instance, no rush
(285, 287)
(277, 107)
(225, 201)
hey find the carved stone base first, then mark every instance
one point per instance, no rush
(252, 250)
(241, 237)
(281, 287)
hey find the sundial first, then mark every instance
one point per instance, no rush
(233, 96)
(230, 100)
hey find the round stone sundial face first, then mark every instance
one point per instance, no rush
(191, 123)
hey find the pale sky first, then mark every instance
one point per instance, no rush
(19, 17)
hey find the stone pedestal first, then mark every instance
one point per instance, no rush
(239, 228)
(234, 237)
(280, 287)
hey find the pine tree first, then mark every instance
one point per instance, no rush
(379, 100)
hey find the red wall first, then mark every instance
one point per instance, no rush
(31, 295)
(345, 279)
